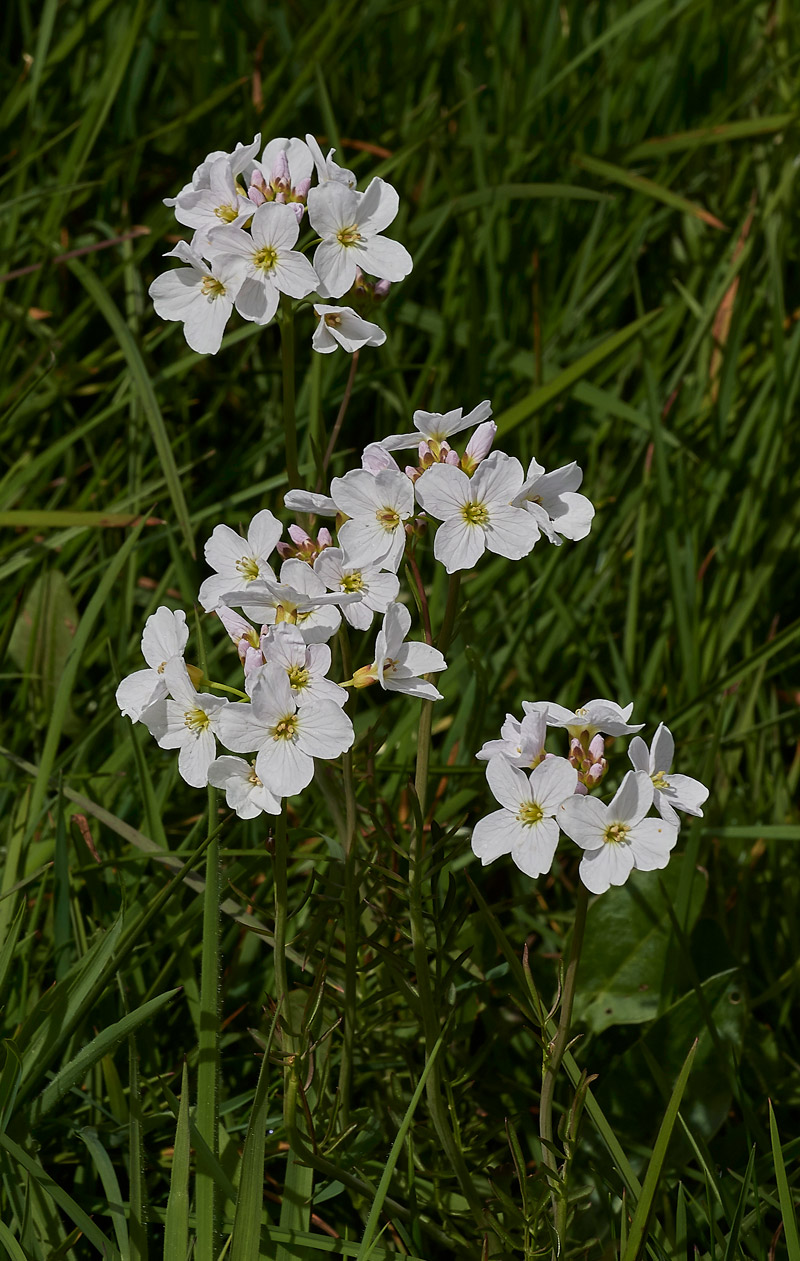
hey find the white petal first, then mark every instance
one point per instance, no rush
(139, 690)
(584, 819)
(383, 257)
(574, 516)
(165, 635)
(535, 854)
(335, 266)
(294, 274)
(283, 768)
(509, 785)
(179, 685)
(601, 868)
(498, 479)
(175, 292)
(552, 782)
(241, 730)
(396, 625)
(459, 544)
(257, 301)
(275, 225)
(662, 750)
(632, 800)
(510, 532)
(443, 490)
(419, 658)
(309, 501)
(377, 207)
(651, 842)
(263, 534)
(639, 755)
(205, 324)
(687, 794)
(420, 689)
(324, 730)
(195, 757)
(367, 542)
(495, 835)
(331, 206)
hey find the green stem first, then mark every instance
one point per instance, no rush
(351, 907)
(337, 424)
(289, 420)
(279, 864)
(426, 717)
(208, 1063)
(553, 1059)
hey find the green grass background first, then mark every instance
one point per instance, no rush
(600, 202)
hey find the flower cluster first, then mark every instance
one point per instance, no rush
(617, 838)
(247, 213)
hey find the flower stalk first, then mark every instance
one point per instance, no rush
(289, 418)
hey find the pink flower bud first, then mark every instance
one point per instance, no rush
(253, 659)
(298, 210)
(452, 457)
(597, 748)
(279, 175)
(284, 550)
(480, 444)
(324, 538)
(381, 289)
(255, 195)
(301, 189)
(298, 535)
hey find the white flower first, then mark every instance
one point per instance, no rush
(200, 295)
(617, 837)
(299, 598)
(377, 507)
(217, 202)
(599, 715)
(521, 742)
(306, 665)
(399, 665)
(240, 632)
(189, 722)
(479, 446)
(285, 737)
(350, 224)
(239, 562)
(244, 791)
(375, 458)
(377, 589)
(327, 169)
(476, 511)
(437, 427)
(340, 326)
(240, 161)
(526, 827)
(310, 501)
(271, 265)
(164, 637)
(553, 503)
(671, 792)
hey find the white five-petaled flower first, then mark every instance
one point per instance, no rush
(671, 792)
(271, 264)
(377, 589)
(398, 665)
(378, 507)
(327, 169)
(188, 721)
(552, 501)
(603, 716)
(437, 427)
(221, 201)
(526, 827)
(244, 791)
(476, 511)
(617, 837)
(341, 326)
(521, 742)
(239, 562)
(306, 665)
(300, 598)
(350, 224)
(201, 296)
(284, 736)
(165, 636)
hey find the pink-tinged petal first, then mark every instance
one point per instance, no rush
(335, 266)
(552, 782)
(324, 730)
(443, 491)
(294, 275)
(204, 325)
(420, 658)
(602, 868)
(380, 256)
(662, 750)
(165, 635)
(499, 833)
(651, 841)
(459, 544)
(632, 800)
(257, 301)
(378, 207)
(535, 854)
(195, 757)
(639, 755)
(498, 479)
(584, 819)
(509, 786)
(139, 690)
(275, 225)
(332, 206)
(510, 532)
(283, 768)
(175, 292)
(687, 794)
(263, 533)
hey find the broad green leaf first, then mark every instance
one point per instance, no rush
(42, 639)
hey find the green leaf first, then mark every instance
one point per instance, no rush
(10, 1244)
(108, 1178)
(176, 1221)
(790, 1234)
(246, 1234)
(42, 639)
(640, 184)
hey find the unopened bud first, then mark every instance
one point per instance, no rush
(279, 175)
(479, 446)
(298, 535)
(380, 289)
(365, 676)
(196, 675)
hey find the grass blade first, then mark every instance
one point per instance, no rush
(784, 1193)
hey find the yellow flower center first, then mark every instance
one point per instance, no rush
(333, 321)
(475, 513)
(286, 728)
(389, 666)
(196, 720)
(530, 812)
(265, 258)
(248, 568)
(388, 518)
(212, 288)
(348, 236)
(353, 581)
(660, 780)
(227, 213)
(291, 614)
(160, 669)
(253, 779)
(298, 677)
(616, 834)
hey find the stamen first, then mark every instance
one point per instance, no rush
(298, 677)
(530, 812)
(616, 834)
(265, 258)
(353, 581)
(286, 728)
(212, 288)
(388, 519)
(196, 720)
(227, 213)
(248, 568)
(349, 235)
(475, 513)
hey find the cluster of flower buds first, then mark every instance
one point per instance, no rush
(616, 838)
(246, 213)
